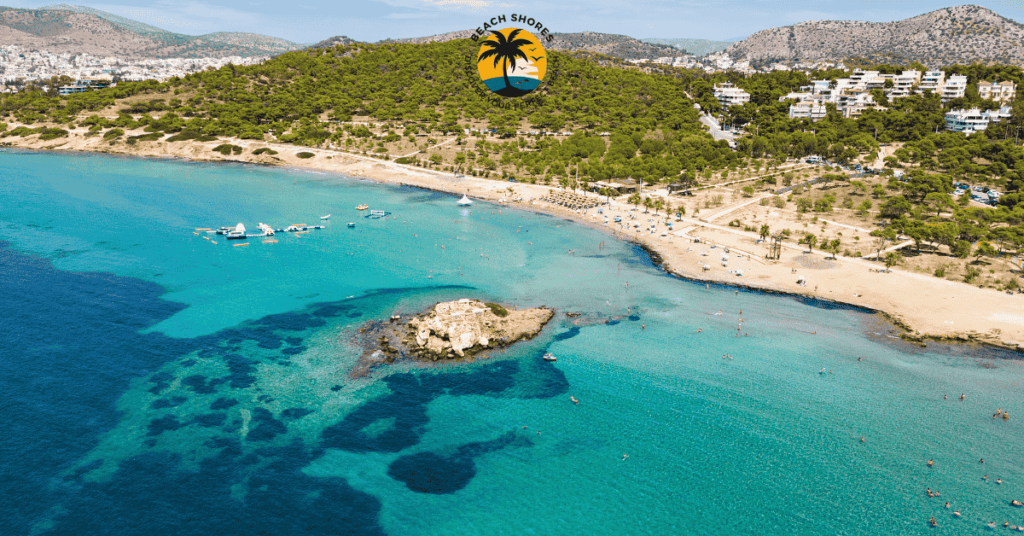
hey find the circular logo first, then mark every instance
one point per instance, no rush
(512, 62)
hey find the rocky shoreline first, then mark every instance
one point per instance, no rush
(454, 330)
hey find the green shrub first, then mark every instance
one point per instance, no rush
(940, 271)
(3, 127)
(184, 135)
(206, 137)
(20, 131)
(52, 134)
(497, 310)
(971, 274)
(305, 154)
(405, 160)
(226, 149)
(115, 133)
(265, 150)
(146, 137)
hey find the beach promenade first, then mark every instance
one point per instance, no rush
(928, 307)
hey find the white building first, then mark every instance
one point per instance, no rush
(954, 88)
(932, 81)
(904, 83)
(997, 91)
(730, 95)
(974, 120)
(807, 110)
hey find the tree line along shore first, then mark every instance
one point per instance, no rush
(596, 119)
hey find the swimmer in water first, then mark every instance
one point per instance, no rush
(573, 398)
(962, 397)
(930, 463)
(861, 439)
(624, 456)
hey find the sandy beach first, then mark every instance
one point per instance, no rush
(703, 248)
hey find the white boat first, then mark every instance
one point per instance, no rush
(350, 224)
(238, 233)
(549, 357)
(465, 201)
(327, 217)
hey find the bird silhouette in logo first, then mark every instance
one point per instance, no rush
(536, 58)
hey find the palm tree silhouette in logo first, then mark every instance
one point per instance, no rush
(505, 50)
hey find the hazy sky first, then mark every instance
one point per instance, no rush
(309, 21)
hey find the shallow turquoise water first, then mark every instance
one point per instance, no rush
(760, 443)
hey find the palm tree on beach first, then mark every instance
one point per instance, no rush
(505, 50)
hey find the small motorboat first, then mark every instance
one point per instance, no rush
(465, 201)
(238, 233)
(327, 217)
(549, 357)
(350, 224)
(364, 206)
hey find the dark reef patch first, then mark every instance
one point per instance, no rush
(292, 414)
(223, 403)
(407, 405)
(163, 424)
(151, 483)
(572, 332)
(198, 384)
(429, 472)
(263, 426)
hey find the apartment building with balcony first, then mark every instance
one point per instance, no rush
(730, 95)
(997, 91)
(807, 110)
(954, 88)
(974, 120)
(932, 81)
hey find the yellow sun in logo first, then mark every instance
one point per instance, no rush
(512, 62)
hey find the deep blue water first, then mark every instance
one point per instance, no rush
(157, 383)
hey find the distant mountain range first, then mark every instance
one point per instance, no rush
(962, 34)
(619, 46)
(697, 47)
(76, 30)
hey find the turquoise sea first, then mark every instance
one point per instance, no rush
(154, 383)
